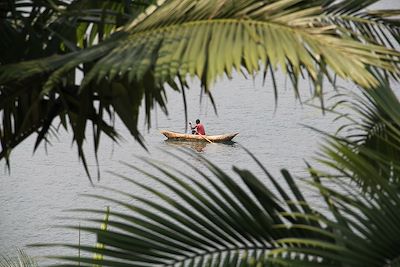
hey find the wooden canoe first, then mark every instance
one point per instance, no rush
(197, 138)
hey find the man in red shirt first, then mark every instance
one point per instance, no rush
(199, 128)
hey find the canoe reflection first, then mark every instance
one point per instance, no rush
(198, 146)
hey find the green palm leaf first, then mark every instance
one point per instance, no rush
(226, 224)
(167, 39)
(379, 27)
(213, 219)
(20, 260)
(36, 29)
(369, 236)
(219, 222)
(166, 44)
(365, 170)
(372, 140)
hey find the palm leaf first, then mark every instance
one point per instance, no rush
(379, 27)
(219, 223)
(21, 260)
(364, 169)
(367, 238)
(161, 46)
(372, 139)
(227, 225)
(34, 29)
(215, 219)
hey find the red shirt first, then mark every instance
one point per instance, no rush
(200, 129)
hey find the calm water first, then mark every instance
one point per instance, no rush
(41, 187)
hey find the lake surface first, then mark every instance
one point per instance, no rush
(42, 186)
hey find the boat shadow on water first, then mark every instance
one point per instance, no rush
(197, 146)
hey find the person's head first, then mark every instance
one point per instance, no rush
(197, 121)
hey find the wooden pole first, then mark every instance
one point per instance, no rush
(206, 138)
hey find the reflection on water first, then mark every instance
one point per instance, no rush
(197, 146)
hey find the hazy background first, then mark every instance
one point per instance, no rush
(41, 186)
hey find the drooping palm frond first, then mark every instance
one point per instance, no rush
(37, 29)
(381, 27)
(209, 223)
(169, 42)
(349, 7)
(378, 26)
(364, 205)
(364, 168)
(99, 19)
(78, 23)
(214, 220)
(229, 35)
(391, 24)
(21, 260)
(373, 137)
(365, 227)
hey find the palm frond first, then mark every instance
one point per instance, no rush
(349, 7)
(380, 27)
(373, 137)
(218, 223)
(364, 170)
(213, 219)
(165, 45)
(167, 39)
(21, 260)
(365, 229)
(36, 29)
